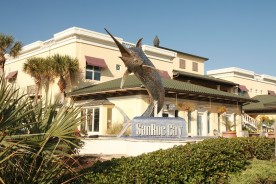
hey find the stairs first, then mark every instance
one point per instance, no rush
(249, 122)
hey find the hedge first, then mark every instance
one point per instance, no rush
(209, 161)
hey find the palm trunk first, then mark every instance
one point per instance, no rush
(37, 89)
(2, 64)
(62, 87)
(46, 87)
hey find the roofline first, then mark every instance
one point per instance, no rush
(183, 53)
(205, 77)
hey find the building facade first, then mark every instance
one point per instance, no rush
(259, 87)
(250, 83)
(96, 88)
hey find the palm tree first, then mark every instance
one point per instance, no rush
(33, 67)
(48, 74)
(8, 46)
(65, 67)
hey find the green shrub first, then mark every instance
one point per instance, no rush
(36, 142)
(209, 161)
(259, 171)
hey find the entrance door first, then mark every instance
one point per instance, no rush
(91, 120)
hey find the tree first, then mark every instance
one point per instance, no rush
(8, 46)
(37, 144)
(64, 67)
(33, 67)
(48, 74)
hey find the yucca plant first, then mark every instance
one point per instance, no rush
(37, 144)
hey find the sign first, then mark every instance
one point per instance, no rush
(158, 127)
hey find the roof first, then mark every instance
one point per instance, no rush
(132, 82)
(265, 103)
(98, 102)
(204, 77)
(183, 53)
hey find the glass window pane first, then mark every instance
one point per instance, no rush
(96, 68)
(88, 75)
(189, 121)
(83, 120)
(219, 116)
(97, 76)
(89, 67)
(199, 125)
(89, 119)
(96, 120)
(208, 122)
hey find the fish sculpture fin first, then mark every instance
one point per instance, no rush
(126, 74)
(139, 42)
(124, 51)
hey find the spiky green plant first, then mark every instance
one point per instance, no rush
(37, 144)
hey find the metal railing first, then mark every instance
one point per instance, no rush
(248, 120)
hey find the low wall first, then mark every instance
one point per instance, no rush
(128, 146)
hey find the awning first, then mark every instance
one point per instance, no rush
(164, 74)
(270, 92)
(243, 88)
(12, 75)
(92, 61)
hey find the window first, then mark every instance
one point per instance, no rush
(219, 116)
(199, 124)
(195, 66)
(90, 121)
(235, 121)
(93, 72)
(118, 67)
(242, 93)
(182, 64)
(93, 67)
(189, 121)
(208, 123)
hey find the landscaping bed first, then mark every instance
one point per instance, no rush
(209, 161)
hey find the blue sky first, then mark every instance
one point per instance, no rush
(231, 33)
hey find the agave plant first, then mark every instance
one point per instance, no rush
(37, 144)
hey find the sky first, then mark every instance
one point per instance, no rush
(231, 33)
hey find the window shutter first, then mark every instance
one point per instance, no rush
(182, 64)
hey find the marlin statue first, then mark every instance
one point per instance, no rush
(138, 63)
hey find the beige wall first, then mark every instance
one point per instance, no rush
(189, 63)
(256, 84)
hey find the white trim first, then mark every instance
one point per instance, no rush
(241, 73)
(230, 70)
(159, 51)
(79, 35)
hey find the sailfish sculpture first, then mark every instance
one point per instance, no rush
(138, 63)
